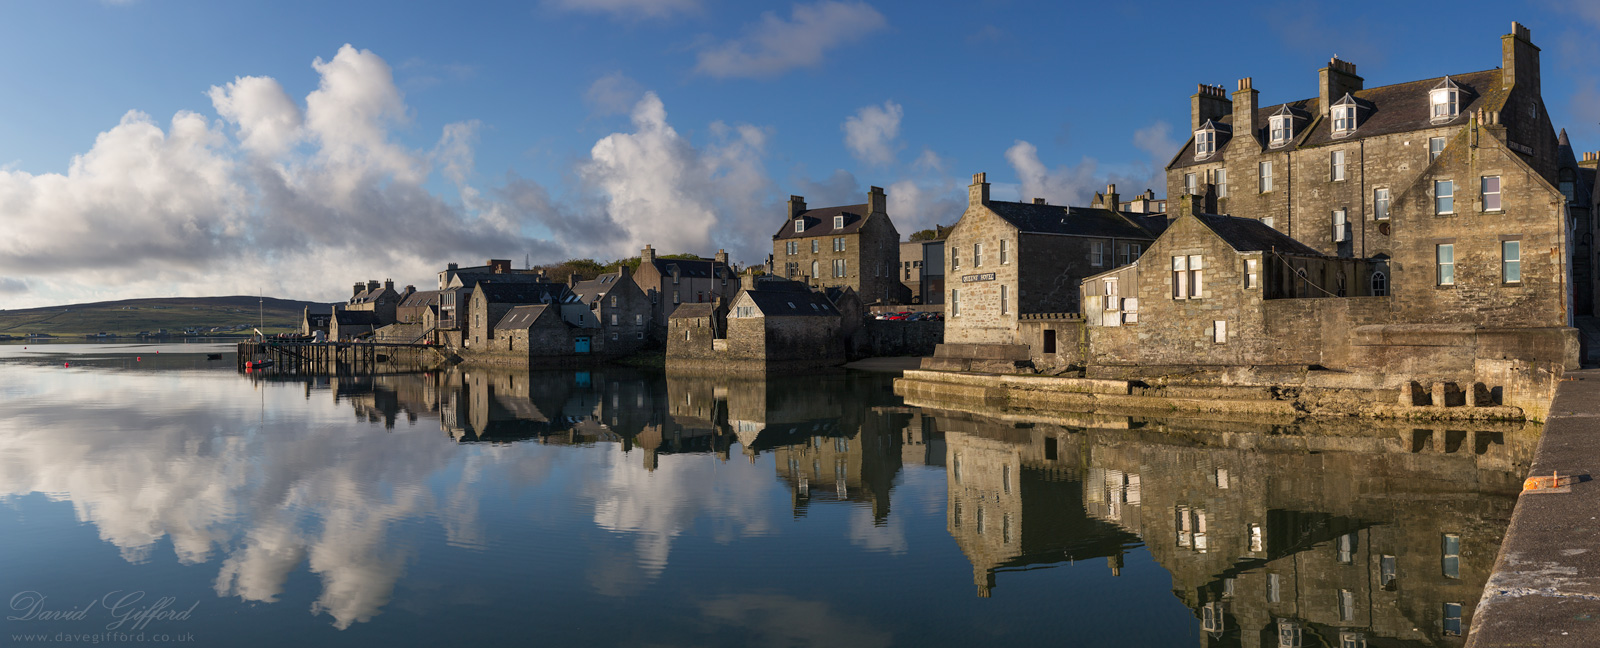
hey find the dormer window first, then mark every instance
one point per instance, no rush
(799, 225)
(838, 222)
(1445, 100)
(1206, 139)
(1281, 126)
(1343, 114)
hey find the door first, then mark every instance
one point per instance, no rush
(1049, 340)
(581, 345)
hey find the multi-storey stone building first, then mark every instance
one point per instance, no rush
(670, 282)
(850, 245)
(622, 311)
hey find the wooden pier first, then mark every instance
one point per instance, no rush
(338, 358)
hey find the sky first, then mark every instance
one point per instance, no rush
(154, 148)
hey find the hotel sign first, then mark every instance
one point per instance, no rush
(987, 276)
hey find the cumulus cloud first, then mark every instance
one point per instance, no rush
(871, 134)
(1156, 140)
(774, 45)
(613, 94)
(629, 9)
(1062, 185)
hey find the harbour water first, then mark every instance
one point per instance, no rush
(626, 507)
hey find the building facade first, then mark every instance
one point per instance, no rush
(670, 282)
(620, 308)
(850, 245)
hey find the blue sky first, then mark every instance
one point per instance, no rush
(152, 148)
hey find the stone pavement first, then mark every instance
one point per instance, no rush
(1545, 590)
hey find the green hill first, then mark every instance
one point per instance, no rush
(175, 314)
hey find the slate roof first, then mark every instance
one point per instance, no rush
(591, 290)
(422, 298)
(1033, 218)
(371, 296)
(819, 222)
(785, 303)
(526, 293)
(692, 310)
(467, 279)
(521, 317)
(693, 268)
(1251, 235)
(1385, 110)
(356, 318)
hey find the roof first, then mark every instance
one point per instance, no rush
(356, 318)
(1251, 235)
(466, 279)
(692, 268)
(819, 222)
(422, 298)
(1034, 218)
(592, 289)
(525, 293)
(1385, 110)
(370, 296)
(787, 303)
(521, 317)
(693, 310)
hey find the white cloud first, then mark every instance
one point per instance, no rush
(630, 9)
(613, 94)
(775, 45)
(1156, 140)
(1060, 186)
(268, 120)
(871, 133)
(919, 205)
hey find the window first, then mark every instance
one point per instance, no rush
(1281, 127)
(1511, 261)
(838, 244)
(1447, 264)
(1049, 347)
(613, 336)
(1336, 166)
(1130, 310)
(1004, 258)
(1180, 277)
(1109, 287)
(613, 319)
(1380, 204)
(838, 222)
(1491, 192)
(613, 300)
(1257, 538)
(955, 303)
(1435, 147)
(638, 319)
(799, 225)
(816, 270)
(675, 298)
(814, 243)
(1452, 619)
(640, 335)
(791, 248)
(1097, 253)
(1347, 605)
(1566, 185)
(1352, 640)
(1341, 226)
(1221, 177)
(838, 268)
(1444, 197)
(1266, 220)
(1347, 549)
(1344, 116)
(1451, 548)
(1219, 331)
(1274, 587)
(1188, 183)
(1250, 273)
(1445, 99)
(1005, 304)
(1195, 284)
(977, 255)
(1380, 284)
(1387, 573)
(1205, 143)
(1264, 181)
(955, 259)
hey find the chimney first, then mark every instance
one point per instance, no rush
(357, 292)
(1336, 80)
(388, 284)
(1246, 101)
(372, 285)
(572, 280)
(647, 255)
(1590, 160)
(1519, 60)
(877, 202)
(1112, 202)
(1039, 201)
(978, 193)
(499, 266)
(1209, 102)
(410, 290)
(721, 257)
(452, 266)
(797, 206)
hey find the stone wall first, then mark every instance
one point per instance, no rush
(900, 338)
(1055, 343)
(691, 339)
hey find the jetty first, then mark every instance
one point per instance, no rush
(289, 356)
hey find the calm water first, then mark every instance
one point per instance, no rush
(618, 507)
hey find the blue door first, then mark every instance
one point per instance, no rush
(581, 345)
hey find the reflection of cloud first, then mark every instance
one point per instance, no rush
(865, 532)
(657, 506)
(779, 620)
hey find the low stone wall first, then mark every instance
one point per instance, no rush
(898, 338)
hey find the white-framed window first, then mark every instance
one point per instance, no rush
(1452, 619)
(1445, 253)
(1264, 177)
(1435, 147)
(955, 303)
(1511, 261)
(1336, 166)
(1347, 605)
(1097, 253)
(1344, 116)
(1221, 177)
(838, 222)
(1444, 197)
(1445, 101)
(1005, 259)
(1219, 331)
(955, 259)
(814, 245)
(1267, 220)
(1281, 127)
(799, 225)
(1380, 284)
(1109, 288)
(1380, 204)
(614, 319)
(1205, 143)
(1341, 226)
(838, 244)
(1196, 272)
(1188, 183)
(1180, 277)
(1251, 273)
(977, 255)
(1347, 549)
(1450, 547)
(1490, 186)
(816, 269)
(1005, 303)
(838, 267)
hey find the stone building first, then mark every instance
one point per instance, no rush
(849, 245)
(772, 325)
(670, 282)
(621, 309)
(538, 331)
(1575, 180)
(1451, 180)
(455, 286)
(345, 325)
(417, 306)
(489, 302)
(379, 299)
(922, 270)
(311, 323)
(1009, 259)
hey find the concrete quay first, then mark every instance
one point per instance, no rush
(1545, 588)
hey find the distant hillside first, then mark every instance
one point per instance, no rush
(175, 314)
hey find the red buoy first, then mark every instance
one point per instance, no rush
(66, 364)
(137, 359)
(248, 364)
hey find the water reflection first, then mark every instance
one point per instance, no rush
(1271, 535)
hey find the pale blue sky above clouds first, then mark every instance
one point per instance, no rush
(162, 147)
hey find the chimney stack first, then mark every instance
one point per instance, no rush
(797, 206)
(647, 255)
(1039, 201)
(1519, 60)
(1246, 101)
(372, 285)
(1208, 102)
(357, 292)
(721, 257)
(978, 193)
(1112, 199)
(877, 202)
(388, 284)
(499, 266)
(1336, 80)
